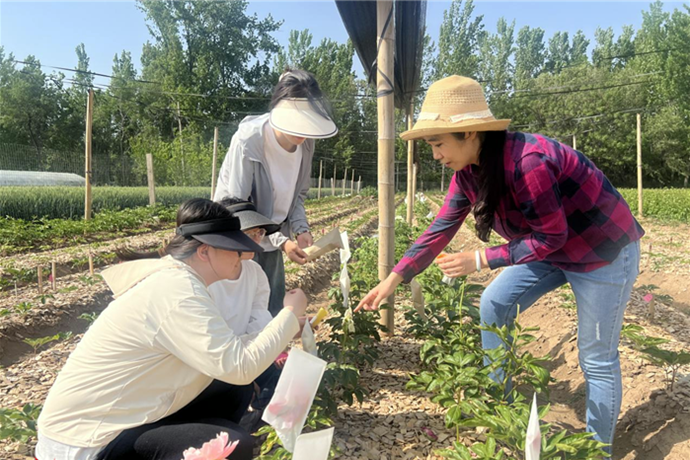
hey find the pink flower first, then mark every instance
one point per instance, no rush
(215, 449)
(648, 298)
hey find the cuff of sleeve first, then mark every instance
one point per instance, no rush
(289, 321)
(277, 239)
(299, 227)
(406, 273)
(498, 256)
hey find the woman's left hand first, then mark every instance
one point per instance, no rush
(458, 264)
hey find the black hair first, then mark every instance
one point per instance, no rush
(294, 83)
(180, 247)
(490, 180)
(231, 200)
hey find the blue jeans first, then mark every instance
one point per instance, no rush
(601, 297)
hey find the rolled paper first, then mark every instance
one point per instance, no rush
(320, 316)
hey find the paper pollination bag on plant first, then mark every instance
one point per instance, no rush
(288, 409)
(344, 275)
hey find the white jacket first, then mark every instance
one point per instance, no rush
(150, 353)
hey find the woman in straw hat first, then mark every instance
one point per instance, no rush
(269, 164)
(562, 218)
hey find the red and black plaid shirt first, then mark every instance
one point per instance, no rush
(558, 208)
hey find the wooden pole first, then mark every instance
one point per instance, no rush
(640, 213)
(150, 179)
(574, 142)
(320, 178)
(344, 180)
(414, 182)
(39, 271)
(53, 269)
(443, 177)
(90, 264)
(87, 161)
(410, 170)
(179, 126)
(386, 149)
(352, 183)
(333, 180)
(359, 185)
(215, 162)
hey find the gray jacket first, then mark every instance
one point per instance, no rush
(244, 175)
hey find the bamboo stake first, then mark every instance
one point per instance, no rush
(215, 162)
(410, 170)
(88, 163)
(359, 185)
(639, 165)
(574, 142)
(344, 180)
(39, 271)
(53, 268)
(90, 264)
(352, 183)
(150, 179)
(179, 126)
(320, 178)
(414, 182)
(333, 180)
(386, 152)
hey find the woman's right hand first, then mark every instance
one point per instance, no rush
(382, 291)
(294, 252)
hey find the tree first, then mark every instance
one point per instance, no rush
(496, 68)
(578, 50)
(559, 52)
(458, 42)
(530, 55)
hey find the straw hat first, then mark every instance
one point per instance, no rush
(297, 117)
(454, 105)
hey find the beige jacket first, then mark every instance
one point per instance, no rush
(152, 351)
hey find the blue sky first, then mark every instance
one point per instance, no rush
(50, 30)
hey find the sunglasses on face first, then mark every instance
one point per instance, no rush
(256, 234)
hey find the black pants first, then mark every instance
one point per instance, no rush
(218, 408)
(267, 383)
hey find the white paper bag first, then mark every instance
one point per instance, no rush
(294, 395)
(314, 446)
(344, 275)
(308, 339)
(324, 245)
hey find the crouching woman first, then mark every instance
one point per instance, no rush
(160, 370)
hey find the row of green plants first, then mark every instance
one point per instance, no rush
(670, 204)
(351, 344)
(484, 388)
(481, 389)
(18, 235)
(30, 203)
(41, 233)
